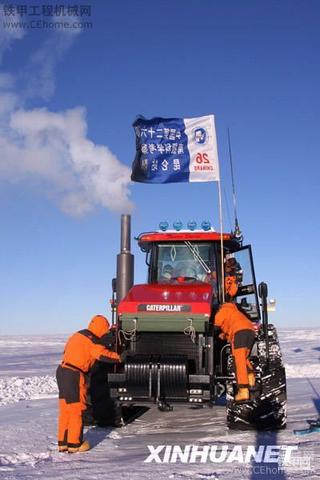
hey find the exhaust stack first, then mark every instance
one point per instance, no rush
(125, 260)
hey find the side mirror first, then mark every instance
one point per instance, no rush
(114, 285)
(263, 290)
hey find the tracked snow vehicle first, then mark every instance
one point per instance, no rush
(166, 329)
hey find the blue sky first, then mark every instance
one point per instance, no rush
(68, 99)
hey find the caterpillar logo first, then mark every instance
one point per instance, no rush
(151, 307)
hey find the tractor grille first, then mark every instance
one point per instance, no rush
(167, 344)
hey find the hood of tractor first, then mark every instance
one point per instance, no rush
(168, 299)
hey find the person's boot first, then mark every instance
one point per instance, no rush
(242, 395)
(84, 447)
(62, 448)
(251, 379)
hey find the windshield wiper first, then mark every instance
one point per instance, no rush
(197, 255)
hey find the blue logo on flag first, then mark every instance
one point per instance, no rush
(200, 136)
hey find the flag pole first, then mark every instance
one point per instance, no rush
(221, 239)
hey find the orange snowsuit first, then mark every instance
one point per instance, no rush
(81, 351)
(238, 330)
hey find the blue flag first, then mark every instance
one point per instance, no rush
(172, 150)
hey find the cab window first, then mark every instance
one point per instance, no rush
(185, 262)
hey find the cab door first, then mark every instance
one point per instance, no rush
(247, 295)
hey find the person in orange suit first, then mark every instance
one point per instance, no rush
(238, 330)
(81, 352)
(233, 276)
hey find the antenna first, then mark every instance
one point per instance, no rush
(237, 230)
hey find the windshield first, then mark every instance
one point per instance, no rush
(186, 262)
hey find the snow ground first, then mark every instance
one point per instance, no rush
(28, 415)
